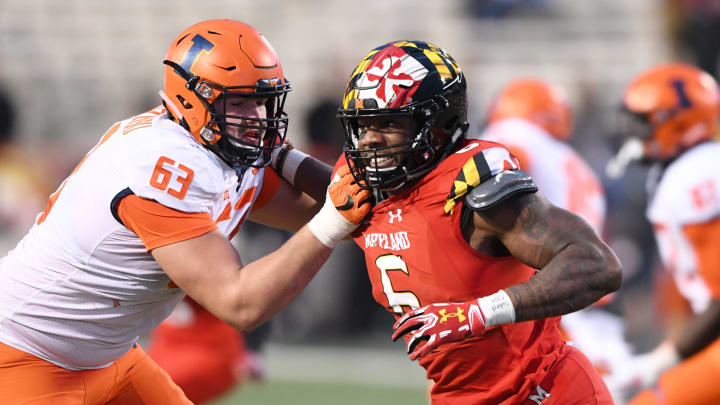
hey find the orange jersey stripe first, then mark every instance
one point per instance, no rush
(704, 238)
(270, 185)
(157, 225)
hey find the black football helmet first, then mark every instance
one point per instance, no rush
(411, 79)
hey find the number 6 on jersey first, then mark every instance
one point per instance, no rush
(395, 299)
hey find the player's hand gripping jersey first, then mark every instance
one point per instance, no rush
(65, 277)
(416, 255)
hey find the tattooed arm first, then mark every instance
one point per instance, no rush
(577, 268)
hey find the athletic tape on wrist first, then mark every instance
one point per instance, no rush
(328, 226)
(497, 309)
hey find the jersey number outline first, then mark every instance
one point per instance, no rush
(396, 299)
(161, 176)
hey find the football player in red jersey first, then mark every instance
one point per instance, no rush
(473, 261)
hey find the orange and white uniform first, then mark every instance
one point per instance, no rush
(684, 211)
(80, 287)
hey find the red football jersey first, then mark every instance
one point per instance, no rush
(416, 255)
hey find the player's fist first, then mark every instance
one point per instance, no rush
(349, 199)
(346, 204)
(437, 324)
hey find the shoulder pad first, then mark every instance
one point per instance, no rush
(501, 186)
(491, 160)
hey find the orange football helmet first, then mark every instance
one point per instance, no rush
(215, 59)
(673, 107)
(536, 101)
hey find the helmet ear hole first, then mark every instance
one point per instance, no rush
(186, 104)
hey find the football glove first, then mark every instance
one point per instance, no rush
(346, 204)
(437, 324)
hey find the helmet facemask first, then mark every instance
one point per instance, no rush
(232, 147)
(410, 156)
(434, 102)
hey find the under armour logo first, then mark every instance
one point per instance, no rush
(458, 314)
(397, 216)
(541, 395)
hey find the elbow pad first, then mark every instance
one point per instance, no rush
(500, 187)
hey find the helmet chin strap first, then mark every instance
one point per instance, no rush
(459, 132)
(176, 111)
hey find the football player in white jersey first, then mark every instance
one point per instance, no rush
(534, 120)
(146, 218)
(672, 112)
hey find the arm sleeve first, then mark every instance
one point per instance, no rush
(157, 225)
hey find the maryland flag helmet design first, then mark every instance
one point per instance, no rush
(412, 79)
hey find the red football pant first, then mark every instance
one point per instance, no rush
(204, 358)
(572, 380)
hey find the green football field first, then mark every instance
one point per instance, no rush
(320, 375)
(281, 392)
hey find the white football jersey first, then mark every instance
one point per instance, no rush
(80, 287)
(687, 193)
(559, 172)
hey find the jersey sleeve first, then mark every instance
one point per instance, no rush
(270, 184)
(176, 172)
(482, 162)
(157, 225)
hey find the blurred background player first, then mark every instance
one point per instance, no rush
(671, 114)
(456, 235)
(23, 182)
(203, 355)
(533, 119)
(146, 218)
